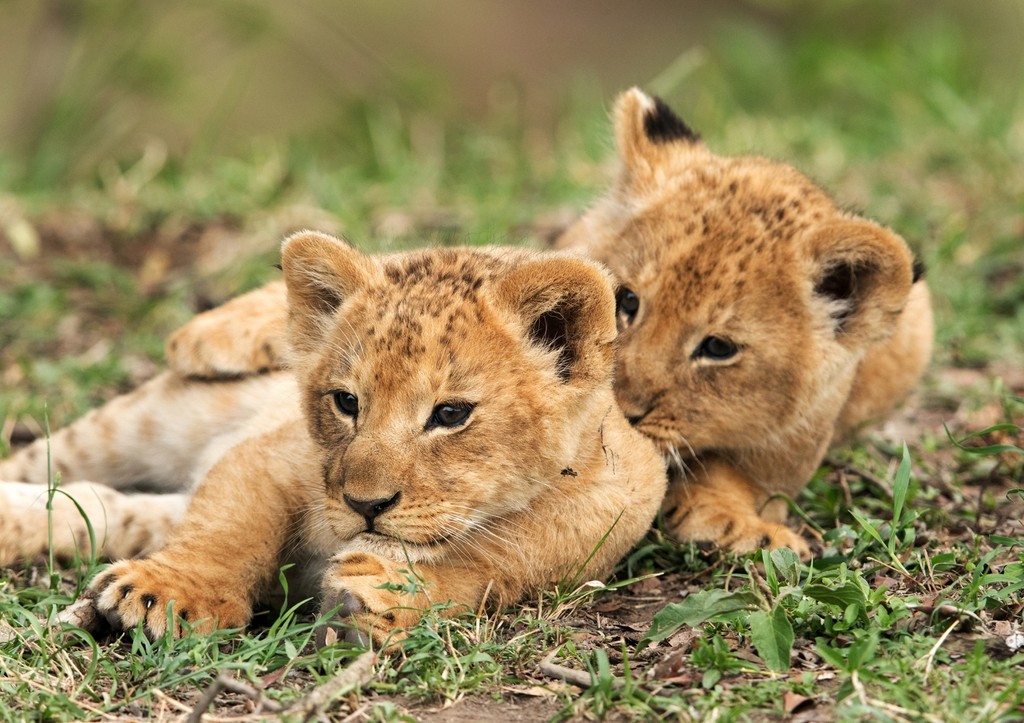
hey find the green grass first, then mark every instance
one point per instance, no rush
(903, 616)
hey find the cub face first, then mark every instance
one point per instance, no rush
(746, 299)
(426, 434)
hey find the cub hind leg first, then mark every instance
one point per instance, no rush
(890, 369)
(122, 525)
(162, 436)
(154, 437)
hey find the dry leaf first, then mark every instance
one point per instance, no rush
(791, 701)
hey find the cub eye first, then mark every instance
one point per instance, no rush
(346, 402)
(449, 415)
(715, 348)
(626, 302)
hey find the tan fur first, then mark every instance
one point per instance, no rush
(158, 436)
(121, 525)
(253, 342)
(746, 249)
(513, 499)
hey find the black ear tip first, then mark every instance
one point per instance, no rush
(918, 270)
(662, 125)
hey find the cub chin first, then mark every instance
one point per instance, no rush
(759, 322)
(449, 421)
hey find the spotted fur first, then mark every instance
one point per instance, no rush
(377, 496)
(829, 314)
(823, 314)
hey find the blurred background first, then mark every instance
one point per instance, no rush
(85, 82)
(153, 154)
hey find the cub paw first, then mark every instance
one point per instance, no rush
(733, 529)
(221, 343)
(370, 600)
(131, 592)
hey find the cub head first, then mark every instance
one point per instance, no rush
(746, 297)
(445, 388)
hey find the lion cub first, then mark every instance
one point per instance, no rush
(759, 325)
(759, 322)
(449, 418)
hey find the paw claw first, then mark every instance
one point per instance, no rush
(706, 547)
(344, 606)
(139, 591)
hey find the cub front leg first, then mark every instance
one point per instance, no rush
(121, 525)
(720, 506)
(204, 595)
(225, 551)
(376, 599)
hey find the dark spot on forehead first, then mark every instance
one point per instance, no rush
(425, 299)
(433, 280)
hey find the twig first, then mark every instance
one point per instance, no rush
(223, 683)
(560, 672)
(930, 656)
(357, 674)
(761, 584)
(483, 599)
(844, 485)
(950, 611)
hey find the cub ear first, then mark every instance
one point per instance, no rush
(565, 305)
(646, 129)
(863, 272)
(320, 272)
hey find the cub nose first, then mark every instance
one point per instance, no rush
(370, 509)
